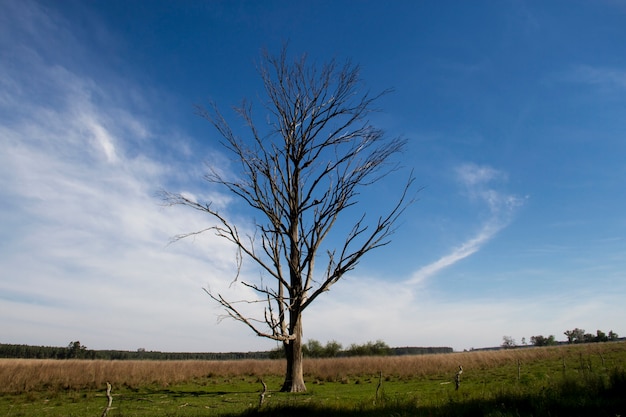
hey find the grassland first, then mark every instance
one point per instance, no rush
(566, 380)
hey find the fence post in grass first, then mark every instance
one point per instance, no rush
(519, 370)
(110, 398)
(380, 383)
(457, 378)
(262, 395)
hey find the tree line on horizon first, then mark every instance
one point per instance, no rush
(77, 351)
(333, 349)
(312, 349)
(573, 336)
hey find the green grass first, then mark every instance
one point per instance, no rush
(201, 397)
(582, 382)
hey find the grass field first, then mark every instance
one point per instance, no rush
(567, 380)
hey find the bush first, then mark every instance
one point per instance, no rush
(378, 348)
(543, 341)
(314, 349)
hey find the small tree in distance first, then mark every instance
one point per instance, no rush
(300, 173)
(508, 342)
(575, 336)
(314, 349)
(601, 336)
(543, 341)
(76, 351)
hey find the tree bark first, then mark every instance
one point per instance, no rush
(294, 378)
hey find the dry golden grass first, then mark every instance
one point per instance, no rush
(24, 375)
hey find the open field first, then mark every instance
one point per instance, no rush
(576, 378)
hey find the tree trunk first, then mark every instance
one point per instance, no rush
(294, 379)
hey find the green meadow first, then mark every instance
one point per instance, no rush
(572, 380)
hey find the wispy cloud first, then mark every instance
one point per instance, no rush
(459, 322)
(603, 77)
(478, 184)
(471, 246)
(85, 251)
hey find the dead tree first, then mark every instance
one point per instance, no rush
(300, 172)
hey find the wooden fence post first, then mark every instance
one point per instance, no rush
(110, 398)
(262, 395)
(457, 378)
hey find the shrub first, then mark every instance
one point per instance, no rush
(543, 341)
(378, 348)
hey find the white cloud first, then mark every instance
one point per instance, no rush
(468, 248)
(85, 241)
(361, 309)
(472, 175)
(603, 77)
(477, 181)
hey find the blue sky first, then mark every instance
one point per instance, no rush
(514, 112)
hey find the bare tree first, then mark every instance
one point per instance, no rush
(508, 342)
(300, 172)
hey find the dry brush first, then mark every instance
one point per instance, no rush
(24, 375)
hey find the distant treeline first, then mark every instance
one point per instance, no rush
(574, 336)
(77, 351)
(314, 349)
(420, 350)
